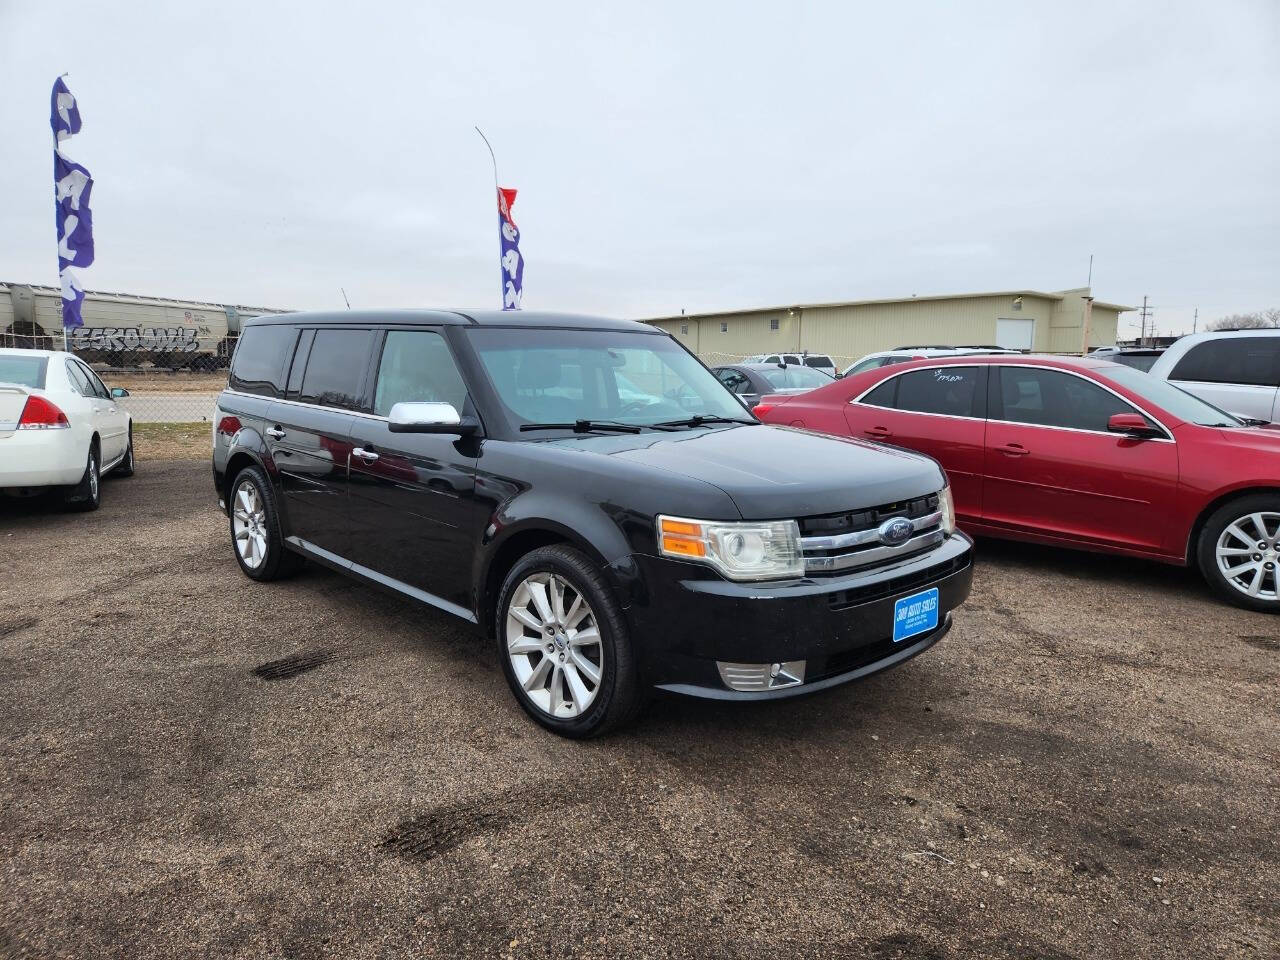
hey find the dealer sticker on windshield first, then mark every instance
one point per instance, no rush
(917, 613)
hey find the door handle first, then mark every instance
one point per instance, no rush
(1014, 449)
(368, 456)
(275, 433)
(879, 433)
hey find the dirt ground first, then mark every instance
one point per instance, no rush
(172, 441)
(193, 764)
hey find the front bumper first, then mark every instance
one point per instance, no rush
(686, 618)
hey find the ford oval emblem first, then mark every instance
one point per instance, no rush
(895, 531)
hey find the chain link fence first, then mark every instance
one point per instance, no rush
(170, 375)
(714, 358)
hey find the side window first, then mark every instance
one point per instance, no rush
(97, 386)
(261, 357)
(1049, 398)
(417, 366)
(772, 359)
(1248, 360)
(734, 381)
(335, 368)
(299, 363)
(949, 391)
(871, 363)
(79, 381)
(884, 395)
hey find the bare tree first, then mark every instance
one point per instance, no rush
(1259, 320)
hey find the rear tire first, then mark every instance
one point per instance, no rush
(549, 652)
(1239, 552)
(126, 466)
(256, 535)
(87, 494)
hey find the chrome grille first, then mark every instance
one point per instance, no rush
(840, 542)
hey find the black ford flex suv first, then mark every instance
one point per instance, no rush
(590, 496)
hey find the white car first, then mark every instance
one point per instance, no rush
(1237, 371)
(815, 361)
(60, 427)
(887, 358)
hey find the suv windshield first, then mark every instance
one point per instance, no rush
(546, 375)
(1166, 396)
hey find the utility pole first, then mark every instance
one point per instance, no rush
(1144, 316)
(1087, 318)
(1195, 320)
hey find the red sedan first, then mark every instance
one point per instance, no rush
(1076, 452)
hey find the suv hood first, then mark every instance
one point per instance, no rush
(773, 472)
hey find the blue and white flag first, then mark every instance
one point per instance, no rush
(72, 187)
(512, 262)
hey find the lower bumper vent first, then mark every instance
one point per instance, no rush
(761, 676)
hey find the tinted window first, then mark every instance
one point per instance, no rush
(24, 371)
(1249, 360)
(734, 380)
(417, 366)
(951, 391)
(97, 386)
(1139, 361)
(262, 354)
(1048, 398)
(78, 379)
(299, 362)
(335, 368)
(883, 395)
(818, 362)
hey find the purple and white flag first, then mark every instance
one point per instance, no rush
(512, 262)
(72, 187)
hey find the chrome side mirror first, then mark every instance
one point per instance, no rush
(429, 418)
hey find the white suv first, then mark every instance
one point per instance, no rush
(1235, 370)
(60, 426)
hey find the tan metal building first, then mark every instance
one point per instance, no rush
(1044, 322)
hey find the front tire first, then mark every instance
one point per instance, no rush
(1239, 552)
(563, 645)
(87, 494)
(256, 536)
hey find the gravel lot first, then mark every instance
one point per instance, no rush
(193, 764)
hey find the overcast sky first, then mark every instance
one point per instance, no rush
(669, 155)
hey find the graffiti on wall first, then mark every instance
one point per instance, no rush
(120, 339)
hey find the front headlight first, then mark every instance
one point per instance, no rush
(948, 509)
(755, 550)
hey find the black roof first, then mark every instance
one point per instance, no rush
(462, 318)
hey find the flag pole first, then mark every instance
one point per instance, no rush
(66, 347)
(502, 277)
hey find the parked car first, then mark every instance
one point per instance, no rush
(1140, 358)
(750, 381)
(889, 358)
(60, 427)
(1079, 453)
(610, 547)
(815, 361)
(1237, 370)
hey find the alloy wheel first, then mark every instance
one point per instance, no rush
(249, 524)
(1248, 555)
(93, 476)
(553, 642)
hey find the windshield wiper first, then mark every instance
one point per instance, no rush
(699, 419)
(583, 426)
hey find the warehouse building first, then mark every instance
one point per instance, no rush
(1021, 319)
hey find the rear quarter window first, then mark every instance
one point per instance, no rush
(261, 359)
